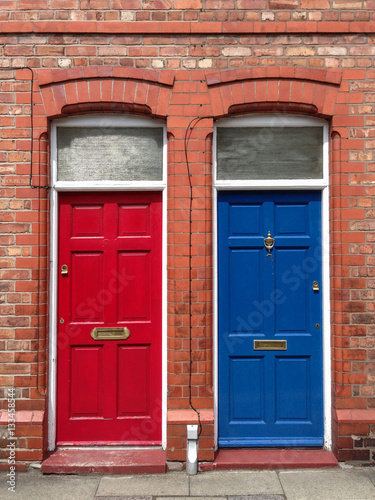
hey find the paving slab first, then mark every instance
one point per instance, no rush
(33, 485)
(327, 485)
(370, 473)
(232, 483)
(171, 484)
(126, 498)
(258, 497)
(195, 498)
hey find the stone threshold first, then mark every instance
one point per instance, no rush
(101, 461)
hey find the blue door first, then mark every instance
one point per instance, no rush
(270, 319)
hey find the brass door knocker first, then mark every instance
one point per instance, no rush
(269, 242)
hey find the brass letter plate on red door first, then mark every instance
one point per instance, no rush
(270, 345)
(110, 333)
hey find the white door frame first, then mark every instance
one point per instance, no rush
(60, 186)
(281, 120)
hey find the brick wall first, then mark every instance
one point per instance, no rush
(187, 10)
(245, 53)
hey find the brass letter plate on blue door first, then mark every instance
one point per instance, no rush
(269, 345)
(110, 333)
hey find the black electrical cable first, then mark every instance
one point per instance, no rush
(41, 393)
(190, 128)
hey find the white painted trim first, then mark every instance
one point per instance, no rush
(327, 374)
(215, 271)
(164, 362)
(300, 184)
(109, 186)
(52, 371)
(215, 319)
(101, 121)
(266, 185)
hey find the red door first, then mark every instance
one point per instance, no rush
(110, 277)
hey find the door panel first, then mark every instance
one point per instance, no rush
(86, 375)
(133, 393)
(247, 401)
(270, 397)
(135, 306)
(109, 390)
(241, 262)
(292, 372)
(86, 285)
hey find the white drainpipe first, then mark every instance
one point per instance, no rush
(192, 450)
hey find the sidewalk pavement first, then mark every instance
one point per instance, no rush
(342, 483)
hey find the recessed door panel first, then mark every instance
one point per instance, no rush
(133, 394)
(241, 261)
(87, 285)
(109, 318)
(134, 294)
(293, 389)
(269, 324)
(245, 219)
(292, 313)
(246, 386)
(86, 381)
(87, 220)
(291, 218)
(134, 219)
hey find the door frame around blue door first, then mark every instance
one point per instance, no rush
(321, 185)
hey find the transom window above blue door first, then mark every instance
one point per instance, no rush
(284, 149)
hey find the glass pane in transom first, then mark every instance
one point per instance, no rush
(109, 154)
(256, 153)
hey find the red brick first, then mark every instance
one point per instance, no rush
(315, 4)
(33, 4)
(8, 5)
(126, 4)
(301, 27)
(283, 4)
(28, 431)
(64, 4)
(346, 455)
(157, 4)
(29, 455)
(191, 4)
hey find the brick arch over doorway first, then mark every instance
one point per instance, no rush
(106, 89)
(291, 90)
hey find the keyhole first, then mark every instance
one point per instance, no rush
(270, 255)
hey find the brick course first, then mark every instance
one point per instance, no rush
(177, 60)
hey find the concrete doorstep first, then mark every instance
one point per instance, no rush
(349, 483)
